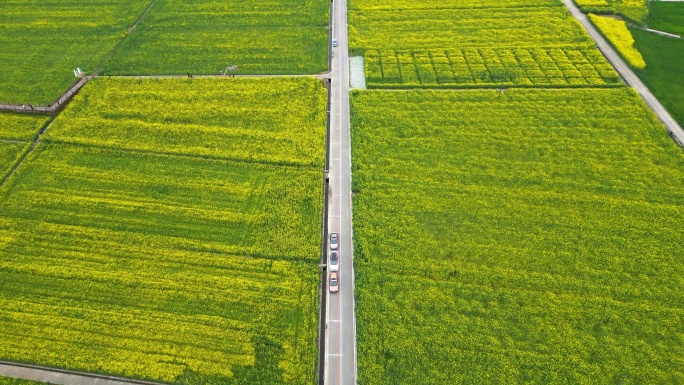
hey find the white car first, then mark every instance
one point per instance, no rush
(334, 42)
(334, 262)
(334, 241)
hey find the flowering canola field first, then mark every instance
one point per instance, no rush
(457, 44)
(529, 236)
(195, 266)
(206, 36)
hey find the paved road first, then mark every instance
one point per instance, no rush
(53, 376)
(627, 74)
(340, 366)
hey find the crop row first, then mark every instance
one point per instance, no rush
(42, 43)
(441, 4)
(273, 120)
(526, 236)
(272, 36)
(489, 67)
(427, 29)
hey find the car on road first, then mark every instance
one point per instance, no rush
(334, 261)
(334, 42)
(334, 283)
(334, 241)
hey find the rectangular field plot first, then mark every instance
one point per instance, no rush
(169, 267)
(529, 236)
(448, 28)
(206, 36)
(43, 42)
(489, 67)
(272, 120)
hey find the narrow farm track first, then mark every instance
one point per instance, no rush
(673, 128)
(62, 377)
(52, 107)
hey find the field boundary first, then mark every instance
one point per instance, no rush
(50, 108)
(63, 376)
(673, 128)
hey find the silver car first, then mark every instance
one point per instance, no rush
(334, 241)
(334, 261)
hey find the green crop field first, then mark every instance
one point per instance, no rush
(666, 16)
(206, 36)
(43, 42)
(664, 57)
(474, 44)
(193, 266)
(529, 236)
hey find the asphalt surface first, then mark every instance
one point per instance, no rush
(62, 377)
(340, 366)
(628, 75)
